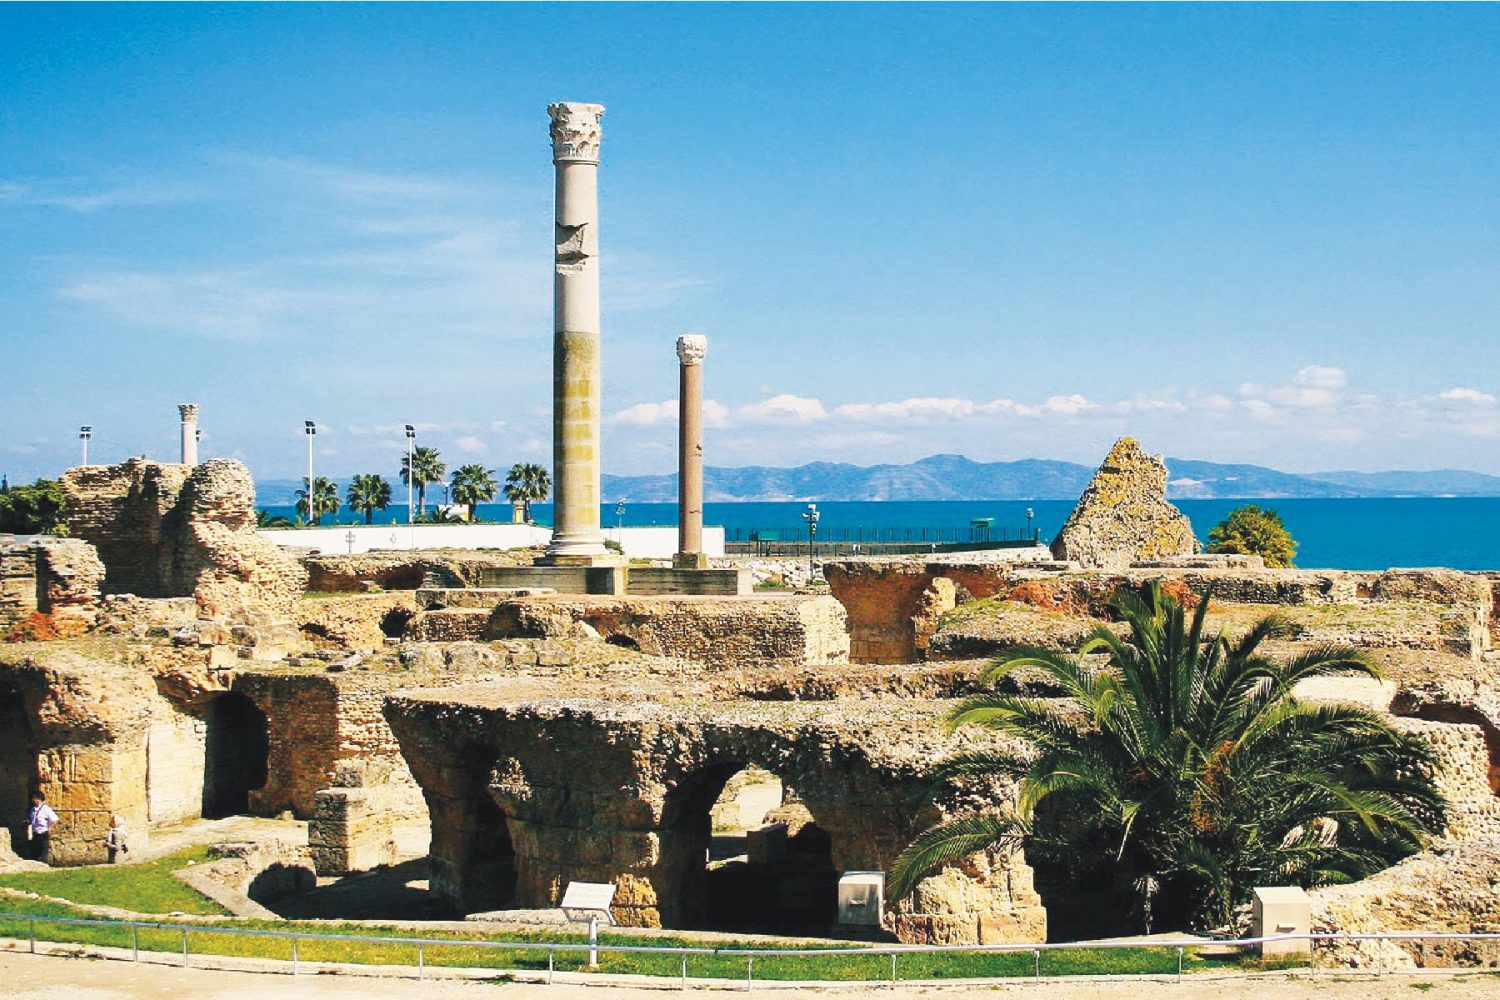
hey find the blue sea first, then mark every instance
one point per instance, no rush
(1459, 532)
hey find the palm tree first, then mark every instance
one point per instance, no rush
(325, 498)
(1183, 770)
(429, 468)
(527, 482)
(265, 519)
(473, 485)
(369, 493)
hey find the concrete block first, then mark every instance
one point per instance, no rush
(1281, 910)
(862, 898)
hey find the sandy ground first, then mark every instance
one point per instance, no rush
(28, 977)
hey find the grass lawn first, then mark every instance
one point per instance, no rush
(150, 888)
(808, 966)
(147, 887)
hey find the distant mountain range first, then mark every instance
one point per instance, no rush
(954, 477)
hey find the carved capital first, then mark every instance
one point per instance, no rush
(189, 411)
(692, 348)
(575, 132)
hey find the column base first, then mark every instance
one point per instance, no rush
(690, 560)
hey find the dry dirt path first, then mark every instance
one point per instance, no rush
(28, 977)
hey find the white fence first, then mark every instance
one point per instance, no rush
(637, 543)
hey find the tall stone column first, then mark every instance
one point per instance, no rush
(691, 350)
(189, 413)
(576, 390)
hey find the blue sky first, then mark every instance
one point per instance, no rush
(1265, 234)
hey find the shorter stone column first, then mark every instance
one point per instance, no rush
(189, 413)
(691, 350)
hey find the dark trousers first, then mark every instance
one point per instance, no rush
(41, 843)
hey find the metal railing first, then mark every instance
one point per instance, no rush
(420, 945)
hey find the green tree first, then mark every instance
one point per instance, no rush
(325, 499)
(1255, 531)
(368, 493)
(428, 467)
(527, 482)
(1180, 771)
(265, 519)
(38, 509)
(473, 485)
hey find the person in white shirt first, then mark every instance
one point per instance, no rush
(39, 826)
(114, 838)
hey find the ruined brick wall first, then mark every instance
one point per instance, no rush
(1123, 515)
(56, 577)
(407, 570)
(527, 797)
(362, 621)
(782, 630)
(177, 530)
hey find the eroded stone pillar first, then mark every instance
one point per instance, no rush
(189, 413)
(576, 392)
(691, 350)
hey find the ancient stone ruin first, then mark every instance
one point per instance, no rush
(182, 531)
(552, 717)
(1123, 516)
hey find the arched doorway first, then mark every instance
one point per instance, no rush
(236, 745)
(18, 771)
(773, 881)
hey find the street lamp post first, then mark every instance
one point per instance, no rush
(312, 432)
(620, 523)
(84, 433)
(411, 440)
(1029, 515)
(811, 517)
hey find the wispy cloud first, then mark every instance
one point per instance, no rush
(83, 198)
(386, 255)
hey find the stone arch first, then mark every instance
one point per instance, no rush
(788, 885)
(236, 750)
(396, 623)
(473, 856)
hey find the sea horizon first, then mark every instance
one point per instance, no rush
(1363, 533)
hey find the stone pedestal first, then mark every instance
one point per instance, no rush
(576, 393)
(189, 413)
(691, 350)
(1281, 910)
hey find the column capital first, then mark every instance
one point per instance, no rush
(189, 411)
(576, 131)
(692, 348)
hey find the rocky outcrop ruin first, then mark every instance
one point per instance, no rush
(48, 584)
(179, 531)
(1123, 516)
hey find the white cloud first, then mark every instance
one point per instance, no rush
(470, 444)
(1312, 386)
(1462, 395)
(647, 414)
(783, 409)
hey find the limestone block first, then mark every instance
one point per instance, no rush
(1281, 910)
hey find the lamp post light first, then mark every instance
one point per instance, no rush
(84, 433)
(1029, 515)
(411, 440)
(811, 516)
(312, 432)
(349, 537)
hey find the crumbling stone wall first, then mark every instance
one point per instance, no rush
(515, 817)
(179, 530)
(407, 570)
(781, 630)
(1123, 515)
(363, 621)
(55, 577)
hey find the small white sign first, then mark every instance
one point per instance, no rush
(595, 896)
